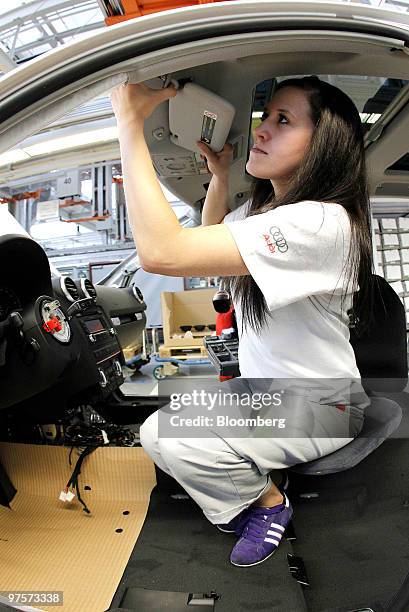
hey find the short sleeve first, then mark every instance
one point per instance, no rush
(295, 251)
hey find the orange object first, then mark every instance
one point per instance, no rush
(224, 320)
(84, 219)
(135, 8)
(25, 195)
(73, 203)
(53, 325)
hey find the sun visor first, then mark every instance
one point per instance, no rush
(196, 113)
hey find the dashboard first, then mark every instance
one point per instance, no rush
(57, 336)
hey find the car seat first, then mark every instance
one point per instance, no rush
(381, 357)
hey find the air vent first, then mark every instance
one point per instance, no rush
(138, 294)
(88, 288)
(69, 289)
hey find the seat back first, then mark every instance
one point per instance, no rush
(381, 353)
(382, 360)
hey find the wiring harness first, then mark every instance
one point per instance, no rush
(88, 432)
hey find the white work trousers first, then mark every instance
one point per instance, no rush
(225, 475)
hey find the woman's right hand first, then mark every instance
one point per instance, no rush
(218, 163)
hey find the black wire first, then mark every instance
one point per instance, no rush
(89, 438)
(85, 507)
(91, 435)
(73, 481)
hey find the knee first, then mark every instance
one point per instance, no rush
(182, 452)
(148, 435)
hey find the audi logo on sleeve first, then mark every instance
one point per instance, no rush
(275, 240)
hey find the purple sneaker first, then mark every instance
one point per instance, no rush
(237, 524)
(262, 534)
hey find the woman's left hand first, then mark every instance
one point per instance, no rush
(136, 102)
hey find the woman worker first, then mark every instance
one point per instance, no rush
(285, 253)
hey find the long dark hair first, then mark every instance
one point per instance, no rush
(333, 170)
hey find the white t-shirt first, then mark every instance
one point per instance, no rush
(296, 254)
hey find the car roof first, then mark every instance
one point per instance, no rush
(229, 48)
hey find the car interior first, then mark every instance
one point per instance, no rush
(62, 341)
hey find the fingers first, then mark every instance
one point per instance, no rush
(228, 148)
(169, 92)
(202, 145)
(206, 150)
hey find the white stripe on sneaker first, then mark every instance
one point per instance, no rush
(276, 542)
(277, 526)
(277, 534)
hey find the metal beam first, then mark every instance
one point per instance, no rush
(45, 35)
(50, 39)
(40, 8)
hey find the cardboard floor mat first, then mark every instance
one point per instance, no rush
(50, 545)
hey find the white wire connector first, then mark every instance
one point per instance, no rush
(66, 495)
(69, 496)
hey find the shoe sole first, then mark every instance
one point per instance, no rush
(256, 563)
(225, 530)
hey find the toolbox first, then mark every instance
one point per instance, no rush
(223, 354)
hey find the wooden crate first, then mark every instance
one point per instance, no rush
(194, 307)
(132, 350)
